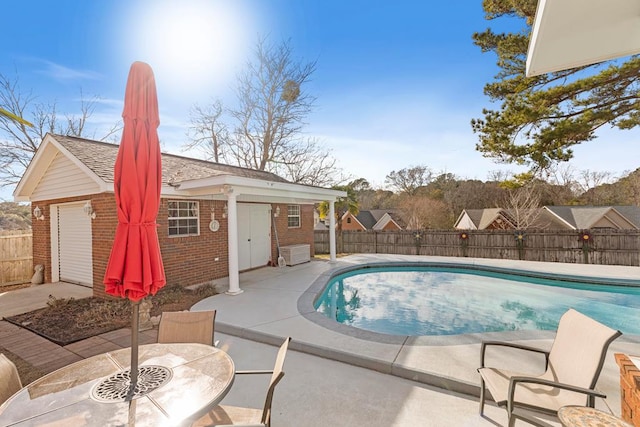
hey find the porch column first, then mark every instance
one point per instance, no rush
(332, 231)
(232, 230)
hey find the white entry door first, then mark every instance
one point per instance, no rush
(254, 235)
(75, 259)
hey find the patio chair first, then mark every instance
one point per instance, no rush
(572, 368)
(9, 379)
(187, 327)
(224, 415)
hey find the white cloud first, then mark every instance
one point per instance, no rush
(62, 73)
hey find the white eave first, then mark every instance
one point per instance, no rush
(43, 157)
(256, 190)
(573, 33)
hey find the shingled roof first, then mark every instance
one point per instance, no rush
(100, 157)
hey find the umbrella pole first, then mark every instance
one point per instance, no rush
(134, 347)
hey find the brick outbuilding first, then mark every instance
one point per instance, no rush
(214, 219)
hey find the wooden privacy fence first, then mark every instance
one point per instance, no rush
(603, 246)
(16, 258)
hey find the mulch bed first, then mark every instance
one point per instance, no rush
(67, 320)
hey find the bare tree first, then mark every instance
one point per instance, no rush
(308, 163)
(592, 186)
(473, 194)
(19, 142)
(523, 206)
(266, 132)
(420, 212)
(409, 180)
(208, 132)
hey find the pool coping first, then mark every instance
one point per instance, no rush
(447, 362)
(306, 304)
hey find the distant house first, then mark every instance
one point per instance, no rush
(484, 219)
(584, 217)
(376, 219)
(554, 217)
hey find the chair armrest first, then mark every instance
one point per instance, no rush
(253, 372)
(486, 344)
(238, 425)
(514, 381)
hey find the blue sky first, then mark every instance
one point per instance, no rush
(397, 83)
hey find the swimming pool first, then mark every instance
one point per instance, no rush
(441, 300)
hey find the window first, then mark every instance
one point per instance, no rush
(348, 220)
(183, 218)
(293, 216)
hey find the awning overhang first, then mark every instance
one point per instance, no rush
(256, 190)
(573, 33)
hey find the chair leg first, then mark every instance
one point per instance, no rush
(482, 396)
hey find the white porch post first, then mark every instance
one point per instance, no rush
(232, 227)
(332, 232)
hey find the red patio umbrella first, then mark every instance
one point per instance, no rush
(135, 267)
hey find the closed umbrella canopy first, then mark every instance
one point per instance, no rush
(135, 267)
(573, 33)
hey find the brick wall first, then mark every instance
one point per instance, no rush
(292, 236)
(629, 390)
(354, 225)
(191, 260)
(187, 260)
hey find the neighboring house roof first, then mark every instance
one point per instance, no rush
(571, 217)
(483, 218)
(631, 213)
(376, 219)
(93, 162)
(583, 217)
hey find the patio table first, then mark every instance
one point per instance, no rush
(582, 416)
(178, 383)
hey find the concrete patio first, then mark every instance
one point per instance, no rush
(334, 375)
(271, 307)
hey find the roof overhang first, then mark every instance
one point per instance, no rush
(256, 190)
(573, 33)
(38, 166)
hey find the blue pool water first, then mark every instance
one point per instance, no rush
(449, 301)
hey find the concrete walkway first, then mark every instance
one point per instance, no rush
(333, 376)
(36, 296)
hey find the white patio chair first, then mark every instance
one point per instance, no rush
(9, 378)
(187, 327)
(572, 368)
(226, 416)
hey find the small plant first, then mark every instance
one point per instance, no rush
(54, 302)
(464, 242)
(520, 238)
(586, 239)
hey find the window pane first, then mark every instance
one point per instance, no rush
(183, 218)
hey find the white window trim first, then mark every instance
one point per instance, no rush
(299, 216)
(196, 217)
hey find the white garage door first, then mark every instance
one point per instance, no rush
(254, 235)
(74, 245)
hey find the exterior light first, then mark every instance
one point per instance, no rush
(277, 214)
(38, 213)
(88, 210)
(225, 211)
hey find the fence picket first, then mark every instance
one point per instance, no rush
(16, 259)
(606, 246)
